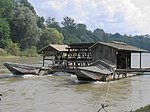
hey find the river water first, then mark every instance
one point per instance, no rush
(64, 93)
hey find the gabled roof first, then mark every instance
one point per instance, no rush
(83, 45)
(54, 47)
(120, 46)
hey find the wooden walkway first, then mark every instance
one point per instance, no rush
(133, 70)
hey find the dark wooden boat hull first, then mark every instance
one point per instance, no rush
(20, 69)
(85, 75)
(93, 73)
(90, 76)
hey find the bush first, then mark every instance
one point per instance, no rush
(3, 52)
(13, 49)
(30, 52)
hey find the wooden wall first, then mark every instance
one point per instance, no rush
(122, 59)
(100, 52)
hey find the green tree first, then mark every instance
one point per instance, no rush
(69, 38)
(82, 33)
(4, 33)
(50, 36)
(6, 9)
(40, 22)
(57, 37)
(51, 23)
(99, 34)
(69, 24)
(24, 29)
(81, 29)
(30, 52)
(25, 3)
(13, 49)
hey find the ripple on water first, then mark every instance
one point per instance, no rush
(67, 94)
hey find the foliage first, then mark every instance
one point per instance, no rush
(143, 109)
(69, 38)
(3, 52)
(25, 3)
(6, 9)
(83, 34)
(56, 36)
(51, 23)
(50, 36)
(4, 33)
(99, 35)
(21, 29)
(24, 28)
(40, 22)
(30, 52)
(13, 49)
(69, 24)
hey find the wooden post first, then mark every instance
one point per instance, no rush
(129, 60)
(114, 76)
(118, 75)
(104, 78)
(43, 61)
(140, 61)
(67, 57)
(43, 57)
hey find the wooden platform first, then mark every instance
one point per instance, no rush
(133, 70)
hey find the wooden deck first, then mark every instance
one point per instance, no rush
(133, 70)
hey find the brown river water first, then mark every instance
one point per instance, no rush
(64, 93)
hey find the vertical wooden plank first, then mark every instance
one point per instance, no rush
(140, 60)
(67, 58)
(43, 58)
(43, 61)
(129, 59)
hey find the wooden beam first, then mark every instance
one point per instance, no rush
(140, 60)
(132, 70)
(43, 60)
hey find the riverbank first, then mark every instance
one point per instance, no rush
(143, 109)
(9, 56)
(30, 52)
(13, 56)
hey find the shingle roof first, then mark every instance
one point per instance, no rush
(59, 47)
(120, 46)
(54, 47)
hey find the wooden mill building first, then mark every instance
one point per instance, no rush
(70, 56)
(53, 52)
(117, 53)
(78, 54)
(93, 61)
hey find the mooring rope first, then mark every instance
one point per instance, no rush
(106, 93)
(102, 107)
(99, 95)
(104, 101)
(97, 100)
